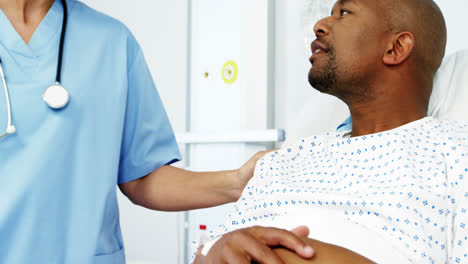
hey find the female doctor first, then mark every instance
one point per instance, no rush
(82, 114)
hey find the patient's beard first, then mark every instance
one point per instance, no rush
(324, 79)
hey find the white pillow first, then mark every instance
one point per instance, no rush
(449, 97)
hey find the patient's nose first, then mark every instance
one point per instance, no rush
(321, 28)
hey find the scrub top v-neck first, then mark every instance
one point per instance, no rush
(43, 42)
(59, 171)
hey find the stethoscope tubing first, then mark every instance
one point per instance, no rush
(62, 41)
(10, 128)
(7, 96)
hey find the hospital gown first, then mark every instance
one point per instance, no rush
(404, 190)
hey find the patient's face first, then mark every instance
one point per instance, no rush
(354, 43)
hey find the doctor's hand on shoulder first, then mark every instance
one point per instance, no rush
(247, 170)
(255, 244)
(169, 188)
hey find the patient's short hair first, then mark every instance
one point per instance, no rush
(424, 19)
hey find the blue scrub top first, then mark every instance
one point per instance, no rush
(58, 173)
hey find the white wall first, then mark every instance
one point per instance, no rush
(222, 31)
(160, 28)
(456, 19)
(300, 109)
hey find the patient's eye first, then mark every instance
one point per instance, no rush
(344, 12)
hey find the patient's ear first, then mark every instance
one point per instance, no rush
(399, 49)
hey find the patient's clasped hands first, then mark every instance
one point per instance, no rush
(254, 244)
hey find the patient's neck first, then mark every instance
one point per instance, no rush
(392, 106)
(365, 123)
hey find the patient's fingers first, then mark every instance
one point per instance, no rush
(199, 257)
(251, 249)
(301, 231)
(279, 237)
(253, 244)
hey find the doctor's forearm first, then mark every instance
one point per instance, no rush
(173, 189)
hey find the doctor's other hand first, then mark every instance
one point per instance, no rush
(247, 170)
(254, 244)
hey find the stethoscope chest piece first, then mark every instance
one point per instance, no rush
(56, 96)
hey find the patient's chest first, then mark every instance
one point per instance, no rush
(394, 186)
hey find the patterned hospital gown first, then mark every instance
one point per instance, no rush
(408, 185)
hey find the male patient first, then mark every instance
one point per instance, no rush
(398, 179)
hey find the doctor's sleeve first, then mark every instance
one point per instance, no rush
(148, 140)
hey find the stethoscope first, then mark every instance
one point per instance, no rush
(55, 96)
